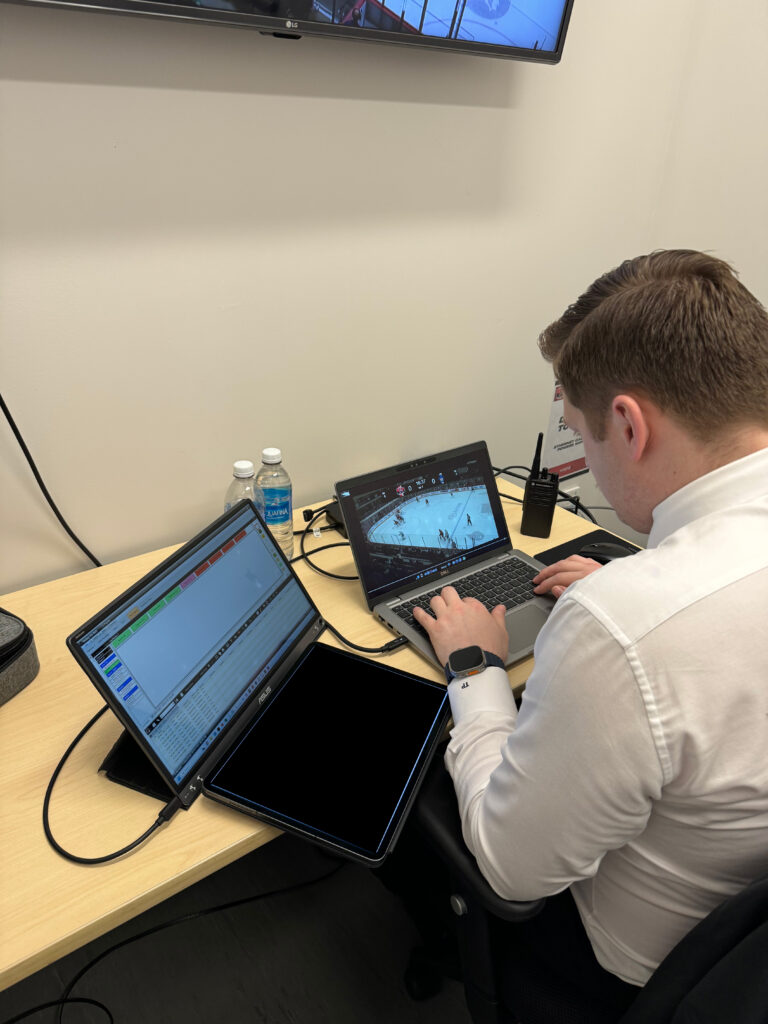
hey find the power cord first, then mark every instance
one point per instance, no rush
(399, 641)
(165, 814)
(68, 998)
(323, 572)
(41, 484)
(194, 916)
(511, 497)
(304, 554)
(578, 507)
(507, 471)
(60, 1002)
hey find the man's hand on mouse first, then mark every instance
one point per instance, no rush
(463, 622)
(556, 577)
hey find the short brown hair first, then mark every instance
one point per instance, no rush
(675, 325)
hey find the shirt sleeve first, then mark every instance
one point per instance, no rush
(545, 793)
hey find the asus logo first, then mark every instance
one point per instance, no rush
(263, 696)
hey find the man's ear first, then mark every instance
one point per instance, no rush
(630, 418)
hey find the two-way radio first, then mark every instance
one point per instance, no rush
(540, 498)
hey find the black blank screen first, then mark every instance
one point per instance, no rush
(337, 752)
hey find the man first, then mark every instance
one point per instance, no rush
(634, 778)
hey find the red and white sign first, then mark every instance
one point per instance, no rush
(563, 451)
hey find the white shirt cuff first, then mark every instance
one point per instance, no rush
(489, 690)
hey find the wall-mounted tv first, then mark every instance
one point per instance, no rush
(531, 30)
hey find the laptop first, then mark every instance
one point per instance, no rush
(212, 665)
(416, 527)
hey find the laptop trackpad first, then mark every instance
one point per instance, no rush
(524, 624)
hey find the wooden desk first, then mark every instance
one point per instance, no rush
(49, 906)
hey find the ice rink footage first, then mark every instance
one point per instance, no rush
(456, 520)
(531, 25)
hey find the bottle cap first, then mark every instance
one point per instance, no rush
(243, 468)
(271, 456)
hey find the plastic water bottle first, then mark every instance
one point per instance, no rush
(243, 486)
(275, 485)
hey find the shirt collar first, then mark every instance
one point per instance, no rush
(733, 484)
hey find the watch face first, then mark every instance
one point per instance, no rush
(468, 659)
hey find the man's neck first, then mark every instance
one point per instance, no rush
(683, 458)
(733, 446)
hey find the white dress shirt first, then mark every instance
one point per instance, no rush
(636, 771)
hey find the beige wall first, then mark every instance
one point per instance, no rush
(214, 241)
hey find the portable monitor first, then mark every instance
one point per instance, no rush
(212, 665)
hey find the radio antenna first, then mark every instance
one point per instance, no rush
(536, 467)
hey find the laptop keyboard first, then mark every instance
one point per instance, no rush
(509, 583)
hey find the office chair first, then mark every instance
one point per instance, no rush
(718, 973)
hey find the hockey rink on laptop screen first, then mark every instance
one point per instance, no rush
(454, 519)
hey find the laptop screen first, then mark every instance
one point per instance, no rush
(410, 523)
(183, 652)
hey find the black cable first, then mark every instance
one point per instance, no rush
(511, 497)
(59, 1002)
(43, 488)
(575, 500)
(324, 547)
(506, 471)
(321, 529)
(310, 513)
(165, 815)
(308, 560)
(399, 641)
(192, 917)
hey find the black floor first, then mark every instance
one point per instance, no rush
(330, 952)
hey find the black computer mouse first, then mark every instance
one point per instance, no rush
(604, 551)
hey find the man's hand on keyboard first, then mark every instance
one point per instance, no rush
(556, 577)
(463, 622)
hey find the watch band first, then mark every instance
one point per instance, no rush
(493, 659)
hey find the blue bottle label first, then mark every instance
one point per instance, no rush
(277, 505)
